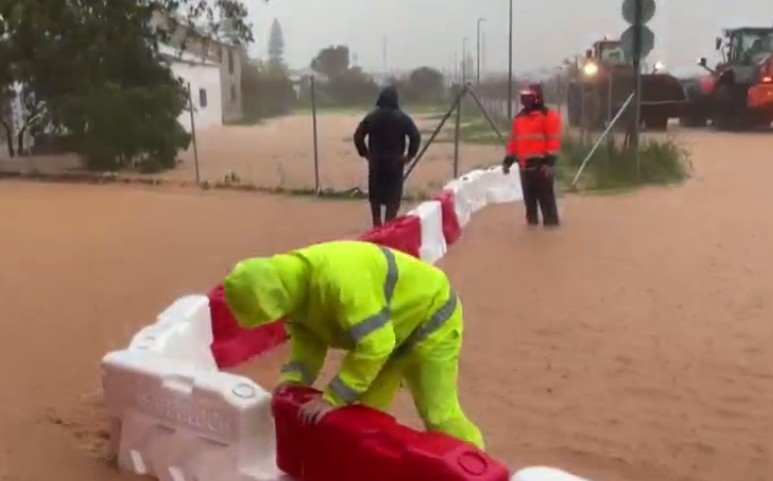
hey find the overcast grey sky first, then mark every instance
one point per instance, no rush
(429, 32)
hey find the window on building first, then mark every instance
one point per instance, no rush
(203, 98)
(233, 93)
(230, 61)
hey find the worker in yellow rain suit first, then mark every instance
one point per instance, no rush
(395, 315)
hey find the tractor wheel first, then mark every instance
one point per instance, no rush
(656, 124)
(594, 116)
(693, 121)
(730, 108)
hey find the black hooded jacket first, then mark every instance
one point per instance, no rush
(386, 128)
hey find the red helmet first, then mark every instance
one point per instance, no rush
(532, 90)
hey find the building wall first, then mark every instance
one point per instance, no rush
(231, 82)
(230, 59)
(206, 94)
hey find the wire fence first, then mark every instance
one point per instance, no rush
(309, 149)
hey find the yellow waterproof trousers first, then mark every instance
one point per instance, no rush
(430, 369)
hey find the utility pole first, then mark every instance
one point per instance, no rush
(464, 61)
(484, 52)
(456, 67)
(637, 51)
(477, 56)
(510, 64)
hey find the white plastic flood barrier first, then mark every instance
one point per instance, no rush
(479, 188)
(542, 473)
(175, 416)
(433, 242)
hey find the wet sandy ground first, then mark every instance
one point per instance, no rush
(632, 345)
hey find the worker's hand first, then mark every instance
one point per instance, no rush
(314, 410)
(507, 163)
(548, 170)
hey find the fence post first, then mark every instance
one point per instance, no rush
(457, 129)
(193, 135)
(312, 87)
(457, 102)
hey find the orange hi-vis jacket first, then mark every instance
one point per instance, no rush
(535, 138)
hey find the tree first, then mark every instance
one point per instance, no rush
(276, 47)
(332, 61)
(353, 86)
(94, 69)
(265, 93)
(345, 84)
(426, 84)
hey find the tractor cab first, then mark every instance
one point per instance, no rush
(744, 47)
(604, 57)
(738, 91)
(610, 53)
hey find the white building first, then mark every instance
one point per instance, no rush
(203, 78)
(207, 50)
(211, 66)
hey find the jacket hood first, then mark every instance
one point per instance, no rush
(265, 289)
(388, 98)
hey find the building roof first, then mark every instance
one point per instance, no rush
(174, 55)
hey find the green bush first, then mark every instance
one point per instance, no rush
(266, 93)
(116, 128)
(614, 166)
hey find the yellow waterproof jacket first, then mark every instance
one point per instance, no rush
(350, 295)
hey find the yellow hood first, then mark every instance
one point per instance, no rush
(265, 289)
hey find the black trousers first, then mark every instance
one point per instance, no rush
(385, 190)
(539, 195)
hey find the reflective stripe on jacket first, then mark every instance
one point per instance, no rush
(535, 135)
(371, 301)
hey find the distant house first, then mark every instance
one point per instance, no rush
(211, 66)
(298, 75)
(203, 78)
(194, 56)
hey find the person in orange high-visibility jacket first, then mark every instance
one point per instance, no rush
(534, 144)
(396, 315)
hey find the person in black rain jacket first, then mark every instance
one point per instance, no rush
(386, 128)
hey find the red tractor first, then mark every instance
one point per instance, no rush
(737, 94)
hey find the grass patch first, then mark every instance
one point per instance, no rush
(614, 168)
(479, 131)
(473, 129)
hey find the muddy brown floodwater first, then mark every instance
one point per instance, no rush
(632, 345)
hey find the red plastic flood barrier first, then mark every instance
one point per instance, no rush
(356, 443)
(402, 234)
(234, 345)
(452, 231)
